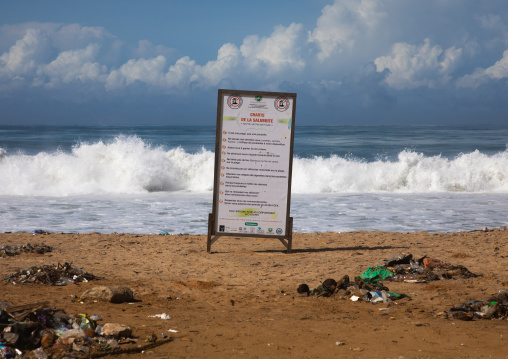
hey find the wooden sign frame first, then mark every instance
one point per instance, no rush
(253, 166)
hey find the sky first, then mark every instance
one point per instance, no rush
(161, 62)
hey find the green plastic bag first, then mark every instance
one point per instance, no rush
(376, 274)
(398, 295)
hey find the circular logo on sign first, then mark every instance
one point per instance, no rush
(235, 101)
(279, 231)
(281, 103)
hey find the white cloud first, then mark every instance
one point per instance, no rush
(55, 55)
(263, 57)
(179, 74)
(51, 55)
(347, 36)
(500, 69)
(474, 79)
(185, 71)
(341, 24)
(228, 59)
(413, 66)
(23, 57)
(480, 76)
(72, 65)
(149, 71)
(280, 51)
(259, 57)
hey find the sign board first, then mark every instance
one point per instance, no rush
(253, 165)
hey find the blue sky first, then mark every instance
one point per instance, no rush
(384, 62)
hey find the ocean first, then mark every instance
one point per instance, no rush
(140, 179)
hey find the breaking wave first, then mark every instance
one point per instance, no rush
(129, 165)
(412, 172)
(125, 165)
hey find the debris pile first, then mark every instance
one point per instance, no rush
(9, 251)
(425, 269)
(495, 307)
(36, 330)
(59, 274)
(356, 290)
(369, 285)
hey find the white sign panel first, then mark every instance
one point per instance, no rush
(254, 163)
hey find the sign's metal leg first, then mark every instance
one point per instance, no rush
(209, 237)
(290, 234)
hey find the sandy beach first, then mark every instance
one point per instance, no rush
(241, 300)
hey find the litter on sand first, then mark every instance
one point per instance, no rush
(55, 274)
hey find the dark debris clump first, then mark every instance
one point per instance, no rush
(59, 274)
(9, 251)
(495, 307)
(39, 331)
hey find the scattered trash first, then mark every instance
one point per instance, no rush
(376, 274)
(400, 259)
(326, 289)
(150, 338)
(39, 331)
(432, 263)
(9, 251)
(60, 274)
(375, 297)
(162, 316)
(495, 307)
(95, 317)
(369, 285)
(303, 290)
(355, 291)
(6, 352)
(425, 269)
(39, 231)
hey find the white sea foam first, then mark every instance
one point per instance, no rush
(187, 212)
(411, 173)
(127, 165)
